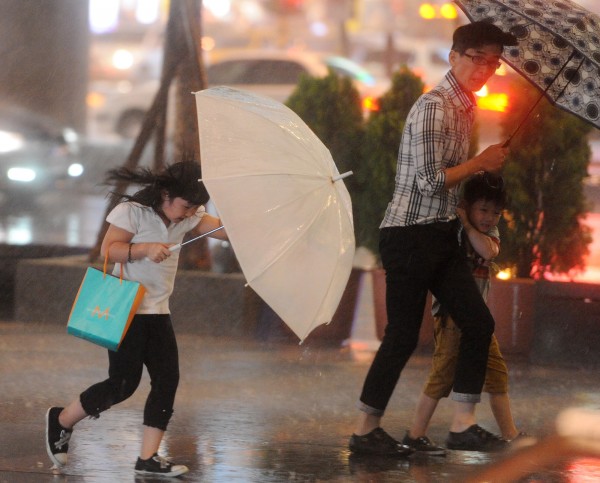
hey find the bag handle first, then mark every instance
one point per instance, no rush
(120, 268)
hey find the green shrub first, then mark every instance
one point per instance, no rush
(331, 107)
(380, 152)
(544, 172)
(544, 177)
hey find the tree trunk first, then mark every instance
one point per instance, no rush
(186, 138)
(182, 59)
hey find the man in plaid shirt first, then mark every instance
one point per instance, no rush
(419, 246)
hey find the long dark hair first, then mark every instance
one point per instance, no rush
(179, 180)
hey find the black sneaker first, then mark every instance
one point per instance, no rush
(57, 438)
(158, 466)
(423, 445)
(475, 438)
(378, 442)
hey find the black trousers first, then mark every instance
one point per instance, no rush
(417, 259)
(150, 341)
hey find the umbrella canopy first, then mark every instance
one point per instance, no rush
(280, 197)
(558, 50)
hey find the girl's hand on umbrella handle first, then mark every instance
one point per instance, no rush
(158, 252)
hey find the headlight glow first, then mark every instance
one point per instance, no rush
(70, 135)
(122, 59)
(10, 141)
(23, 175)
(75, 170)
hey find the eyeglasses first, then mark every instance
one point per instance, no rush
(481, 60)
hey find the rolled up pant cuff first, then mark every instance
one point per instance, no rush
(462, 397)
(371, 411)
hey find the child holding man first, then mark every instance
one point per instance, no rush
(484, 199)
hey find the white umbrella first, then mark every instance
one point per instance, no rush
(280, 196)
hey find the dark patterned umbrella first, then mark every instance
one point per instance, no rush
(558, 50)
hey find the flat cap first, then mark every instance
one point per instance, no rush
(480, 33)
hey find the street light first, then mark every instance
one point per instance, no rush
(430, 11)
(427, 11)
(448, 11)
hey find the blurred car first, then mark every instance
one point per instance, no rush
(428, 58)
(276, 73)
(36, 153)
(121, 54)
(273, 74)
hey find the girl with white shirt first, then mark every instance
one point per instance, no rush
(142, 228)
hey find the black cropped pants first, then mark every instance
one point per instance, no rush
(150, 341)
(417, 259)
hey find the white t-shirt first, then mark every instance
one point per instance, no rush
(157, 278)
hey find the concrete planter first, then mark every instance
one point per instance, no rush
(272, 328)
(202, 303)
(512, 303)
(11, 255)
(567, 325)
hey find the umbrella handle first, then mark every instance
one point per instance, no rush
(172, 248)
(179, 245)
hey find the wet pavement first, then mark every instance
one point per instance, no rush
(252, 412)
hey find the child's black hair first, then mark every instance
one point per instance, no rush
(485, 186)
(179, 180)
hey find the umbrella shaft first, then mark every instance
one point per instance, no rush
(203, 235)
(545, 91)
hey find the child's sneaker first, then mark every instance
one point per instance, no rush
(158, 466)
(423, 445)
(475, 438)
(57, 438)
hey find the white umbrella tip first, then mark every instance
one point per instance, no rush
(341, 176)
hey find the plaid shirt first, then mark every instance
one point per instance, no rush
(436, 137)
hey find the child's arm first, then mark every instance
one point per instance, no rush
(208, 223)
(117, 242)
(484, 245)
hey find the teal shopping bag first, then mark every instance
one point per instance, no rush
(104, 307)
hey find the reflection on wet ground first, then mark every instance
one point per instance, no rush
(251, 412)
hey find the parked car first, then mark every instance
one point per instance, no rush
(36, 152)
(120, 108)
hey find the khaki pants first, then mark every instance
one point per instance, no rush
(441, 375)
